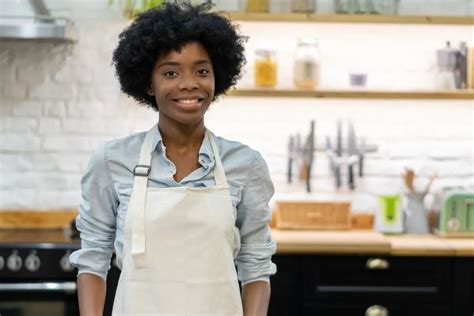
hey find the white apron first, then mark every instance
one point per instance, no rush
(178, 248)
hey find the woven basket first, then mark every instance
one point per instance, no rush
(312, 215)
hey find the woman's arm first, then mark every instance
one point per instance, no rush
(91, 293)
(255, 298)
(96, 222)
(253, 261)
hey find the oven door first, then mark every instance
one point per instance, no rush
(38, 298)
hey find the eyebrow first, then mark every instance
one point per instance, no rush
(174, 63)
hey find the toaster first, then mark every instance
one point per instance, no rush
(457, 214)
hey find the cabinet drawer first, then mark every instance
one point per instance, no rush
(400, 278)
(338, 309)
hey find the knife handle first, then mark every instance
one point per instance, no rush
(351, 177)
(361, 166)
(337, 174)
(308, 178)
(290, 167)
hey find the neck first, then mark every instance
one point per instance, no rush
(184, 137)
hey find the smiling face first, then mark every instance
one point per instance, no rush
(183, 85)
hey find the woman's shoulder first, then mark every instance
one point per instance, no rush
(233, 151)
(127, 143)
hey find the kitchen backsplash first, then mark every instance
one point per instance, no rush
(60, 101)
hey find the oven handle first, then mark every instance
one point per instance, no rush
(66, 287)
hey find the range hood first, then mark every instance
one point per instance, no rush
(31, 20)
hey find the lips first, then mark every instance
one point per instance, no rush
(188, 102)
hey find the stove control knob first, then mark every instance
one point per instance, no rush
(2, 263)
(65, 264)
(32, 262)
(14, 262)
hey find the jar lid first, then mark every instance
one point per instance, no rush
(308, 41)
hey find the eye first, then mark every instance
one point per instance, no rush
(203, 72)
(170, 74)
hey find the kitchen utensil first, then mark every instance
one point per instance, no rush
(353, 155)
(460, 68)
(291, 146)
(361, 157)
(389, 217)
(416, 221)
(446, 61)
(310, 156)
(457, 215)
(337, 169)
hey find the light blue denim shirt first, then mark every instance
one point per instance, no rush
(107, 186)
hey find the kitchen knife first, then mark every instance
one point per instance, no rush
(310, 151)
(291, 145)
(337, 168)
(352, 153)
(331, 158)
(361, 157)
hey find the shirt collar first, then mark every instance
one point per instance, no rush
(206, 156)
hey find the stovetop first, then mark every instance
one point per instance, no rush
(36, 254)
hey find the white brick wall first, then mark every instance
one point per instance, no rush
(58, 102)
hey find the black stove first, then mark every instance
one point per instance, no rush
(36, 277)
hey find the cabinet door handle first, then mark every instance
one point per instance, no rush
(377, 264)
(376, 310)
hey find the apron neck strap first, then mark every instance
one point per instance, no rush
(219, 174)
(144, 162)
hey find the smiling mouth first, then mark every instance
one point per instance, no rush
(188, 101)
(191, 103)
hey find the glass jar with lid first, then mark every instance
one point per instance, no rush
(307, 64)
(303, 5)
(265, 67)
(257, 6)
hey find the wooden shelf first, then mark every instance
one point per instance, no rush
(354, 94)
(351, 18)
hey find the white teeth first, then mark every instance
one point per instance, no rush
(188, 101)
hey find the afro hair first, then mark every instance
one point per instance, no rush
(169, 27)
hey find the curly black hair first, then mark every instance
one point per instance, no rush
(169, 27)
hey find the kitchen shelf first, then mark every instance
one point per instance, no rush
(354, 94)
(351, 18)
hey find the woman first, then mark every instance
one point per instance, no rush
(180, 205)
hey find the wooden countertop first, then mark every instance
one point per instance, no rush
(32, 236)
(369, 242)
(49, 226)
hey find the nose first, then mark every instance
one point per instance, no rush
(187, 82)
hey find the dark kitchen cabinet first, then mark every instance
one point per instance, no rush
(349, 285)
(463, 287)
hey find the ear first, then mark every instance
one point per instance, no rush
(150, 91)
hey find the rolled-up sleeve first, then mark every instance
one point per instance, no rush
(96, 219)
(253, 216)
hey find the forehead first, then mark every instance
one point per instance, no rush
(188, 52)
